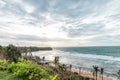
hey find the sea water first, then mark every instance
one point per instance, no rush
(85, 57)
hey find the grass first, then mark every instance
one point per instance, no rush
(4, 75)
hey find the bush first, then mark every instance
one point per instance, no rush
(12, 53)
(28, 70)
(3, 64)
(54, 77)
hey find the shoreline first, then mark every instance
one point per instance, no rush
(81, 60)
(89, 74)
(86, 73)
(83, 72)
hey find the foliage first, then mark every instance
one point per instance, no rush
(0, 48)
(12, 53)
(4, 75)
(96, 69)
(16, 68)
(56, 60)
(3, 64)
(25, 49)
(118, 74)
(28, 70)
(54, 77)
(101, 72)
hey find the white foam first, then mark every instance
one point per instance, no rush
(84, 60)
(92, 56)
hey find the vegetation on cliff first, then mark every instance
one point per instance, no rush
(25, 70)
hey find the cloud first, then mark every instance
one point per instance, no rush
(2, 3)
(60, 22)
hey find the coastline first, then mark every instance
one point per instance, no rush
(83, 72)
(89, 74)
(103, 57)
(86, 73)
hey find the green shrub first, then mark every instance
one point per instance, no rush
(28, 70)
(12, 53)
(54, 77)
(3, 64)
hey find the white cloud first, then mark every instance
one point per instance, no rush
(2, 3)
(29, 8)
(73, 24)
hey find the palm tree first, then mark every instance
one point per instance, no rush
(101, 71)
(118, 74)
(93, 74)
(1, 52)
(62, 68)
(70, 67)
(56, 60)
(43, 58)
(29, 54)
(79, 70)
(37, 59)
(0, 49)
(70, 71)
(95, 70)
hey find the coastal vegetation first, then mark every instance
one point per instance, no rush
(25, 49)
(10, 53)
(25, 70)
(14, 66)
(118, 74)
(95, 71)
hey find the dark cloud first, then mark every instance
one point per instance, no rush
(84, 29)
(14, 8)
(78, 8)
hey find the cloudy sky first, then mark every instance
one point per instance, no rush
(60, 22)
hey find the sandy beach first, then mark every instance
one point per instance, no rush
(86, 73)
(89, 74)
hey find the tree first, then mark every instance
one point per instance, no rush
(95, 70)
(43, 58)
(70, 67)
(70, 72)
(56, 60)
(118, 74)
(62, 68)
(0, 49)
(80, 70)
(1, 52)
(37, 59)
(101, 71)
(12, 53)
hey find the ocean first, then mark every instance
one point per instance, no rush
(85, 57)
